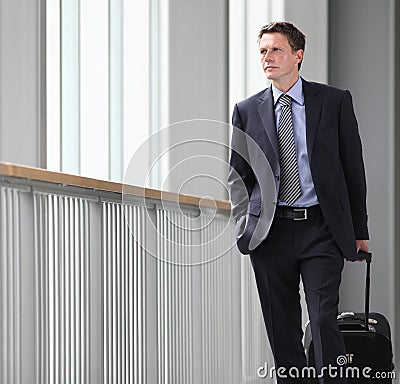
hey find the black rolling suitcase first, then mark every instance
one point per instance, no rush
(367, 339)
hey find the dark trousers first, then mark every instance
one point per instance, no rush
(307, 249)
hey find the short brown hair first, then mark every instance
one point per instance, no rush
(296, 38)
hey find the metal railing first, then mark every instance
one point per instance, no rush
(98, 288)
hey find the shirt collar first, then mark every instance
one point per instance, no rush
(296, 92)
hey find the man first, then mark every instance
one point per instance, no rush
(308, 133)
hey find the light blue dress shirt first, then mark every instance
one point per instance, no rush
(308, 196)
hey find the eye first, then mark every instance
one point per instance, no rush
(276, 49)
(263, 52)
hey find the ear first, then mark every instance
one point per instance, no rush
(299, 55)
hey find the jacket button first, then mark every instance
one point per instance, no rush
(277, 178)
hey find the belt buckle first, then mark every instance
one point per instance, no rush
(304, 210)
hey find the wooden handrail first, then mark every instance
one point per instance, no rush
(40, 174)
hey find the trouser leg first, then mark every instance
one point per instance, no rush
(321, 265)
(321, 280)
(277, 276)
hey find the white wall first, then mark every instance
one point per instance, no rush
(311, 17)
(22, 138)
(361, 34)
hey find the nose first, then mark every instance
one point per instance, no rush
(267, 56)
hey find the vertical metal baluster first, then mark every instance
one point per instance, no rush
(45, 313)
(217, 314)
(144, 262)
(63, 283)
(119, 239)
(50, 289)
(165, 303)
(56, 272)
(79, 289)
(86, 303)
(116, 328)
(224, 353)
(42, 267)
(227, 302)
(3, 287)
(16, 230)
(125, 231)
(142, 215)
(210, 310)
(203, 282)
(136, 368)
(170, 307)
(114, 295)
(10, 282)
(211, 313)
(220, 287)
(117, 258)
(81, 293)
(76, 256)
(159, 280)
(125, 222)
(188, 308)
(111, 294)
(72, 290)
(68, 289)
(173, 283)
(139, 297)
(37, 223)
(191, 270)
(182, 294)
(61, 289)
(185, 313)
(136, 284)
(130, 297)
(214, 313)
(123, 293)
(111, 288)
(106, 298)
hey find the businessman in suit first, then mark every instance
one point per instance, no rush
(309, 137)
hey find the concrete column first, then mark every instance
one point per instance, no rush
(198, 88)
(311, 17)
(22, 103)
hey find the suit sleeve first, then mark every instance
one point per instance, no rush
(353, 166)
(241, 177)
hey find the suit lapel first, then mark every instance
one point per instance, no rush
(313, 106)
(267, 114)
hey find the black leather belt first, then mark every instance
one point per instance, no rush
(297, 213)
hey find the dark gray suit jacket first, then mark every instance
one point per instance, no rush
(336, 162)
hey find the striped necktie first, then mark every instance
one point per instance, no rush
(289, 189)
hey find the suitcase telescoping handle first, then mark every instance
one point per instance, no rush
(367, 256)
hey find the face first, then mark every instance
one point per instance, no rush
(278, 60)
